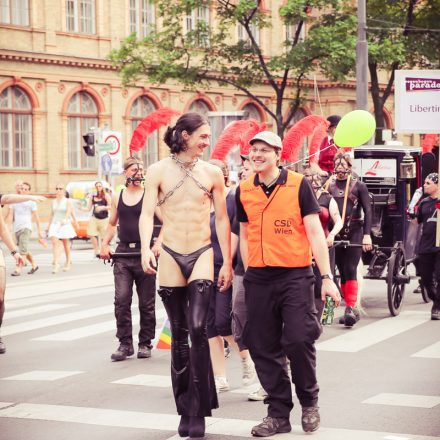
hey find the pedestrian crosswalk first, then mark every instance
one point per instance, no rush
(81, 308)
(168, 422)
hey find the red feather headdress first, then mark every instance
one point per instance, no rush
(236, 133)
(428, 143)
(148, 125)
(292, 142)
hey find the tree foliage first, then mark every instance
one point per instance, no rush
(402, 34)
(211, 52)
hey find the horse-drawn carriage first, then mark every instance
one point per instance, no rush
(392, 175)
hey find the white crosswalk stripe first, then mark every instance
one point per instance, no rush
(411, 400)
(36, 310)
(358, 339)
(92, 330)
(432, 351)
(169, 422)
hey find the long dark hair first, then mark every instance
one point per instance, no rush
(188, 122)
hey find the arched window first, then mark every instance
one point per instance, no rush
(200, 106)
(251, 112)
(82, 115)
(142, 106)
(15, 128)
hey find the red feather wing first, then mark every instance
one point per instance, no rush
(428, 142)
(293, 140)
(149, 124)
(236, 133)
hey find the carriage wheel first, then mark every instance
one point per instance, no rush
(396, 287)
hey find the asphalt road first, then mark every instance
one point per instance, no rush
(379, 380)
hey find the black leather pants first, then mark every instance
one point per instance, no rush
(191, 370)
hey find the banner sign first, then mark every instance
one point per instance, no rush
(417, 101)
(376, 171)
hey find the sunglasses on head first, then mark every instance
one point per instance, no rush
(58, 188)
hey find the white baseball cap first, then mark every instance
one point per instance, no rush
(271, 139)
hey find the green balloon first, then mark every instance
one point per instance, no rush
(354, 129)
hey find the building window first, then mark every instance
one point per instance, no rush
(142, 106)
(82, 116)
(251, 112)
(291, 32)
(80, 16)
(197, 18)
(199, 106)
(15, 129)
(14, 12)
(243, 35)
(141, 17)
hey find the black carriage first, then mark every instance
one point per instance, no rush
(392, 175)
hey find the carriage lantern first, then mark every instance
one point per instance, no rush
(408, 172)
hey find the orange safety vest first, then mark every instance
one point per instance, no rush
(276, 232)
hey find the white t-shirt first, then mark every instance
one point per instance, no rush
(23, 214)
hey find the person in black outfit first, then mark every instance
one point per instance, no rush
(126, 208)
(428, 252)
(356, 230)
(100, 205)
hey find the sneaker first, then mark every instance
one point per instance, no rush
(122, 352)
(435, 313)
(144, 352)
(271, 426)
(2, 347)
(248, 374)
(310, 419)
(350, 317)
(258, 396)
(221, 384)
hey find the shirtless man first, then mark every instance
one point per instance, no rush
(185, 187)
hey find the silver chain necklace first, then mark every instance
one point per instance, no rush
(183, 166)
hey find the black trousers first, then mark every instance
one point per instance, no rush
(282, 322)
(347, 259)
(127, 271)
(429, 268)
(191, 370)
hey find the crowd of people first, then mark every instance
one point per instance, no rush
(250, 266)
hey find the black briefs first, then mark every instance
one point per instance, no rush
(186, 262)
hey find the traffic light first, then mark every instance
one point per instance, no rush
(89, 148)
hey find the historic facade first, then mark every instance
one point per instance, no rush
(56, 83)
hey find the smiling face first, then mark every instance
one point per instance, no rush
(198, 140)
(263, 157)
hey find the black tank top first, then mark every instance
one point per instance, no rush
(129, 222)
(101, 202)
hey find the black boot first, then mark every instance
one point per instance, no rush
(183, 428)
(356, 314)
(197, 427)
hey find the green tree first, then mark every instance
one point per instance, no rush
(401, 34)
(205, 54)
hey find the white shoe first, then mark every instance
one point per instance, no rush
(248, 371)
(258, 395)
(221, 384)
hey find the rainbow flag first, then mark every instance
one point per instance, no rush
(164, 341)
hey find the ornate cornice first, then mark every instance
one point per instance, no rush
(59, 60)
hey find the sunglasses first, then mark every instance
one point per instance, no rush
(59, 189)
